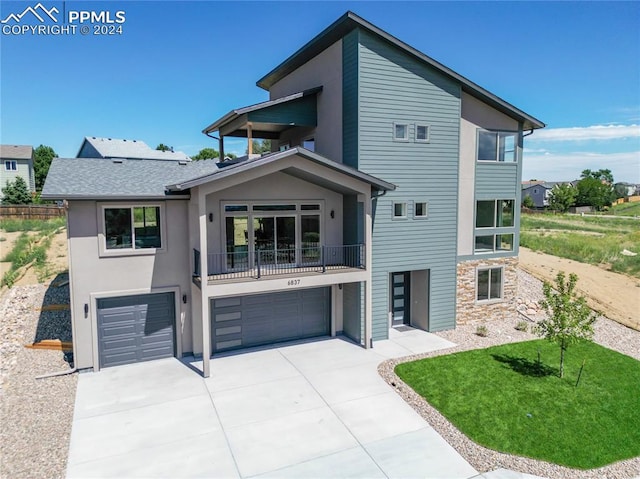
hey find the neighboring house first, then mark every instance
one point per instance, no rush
(626, 189)
(16, 160)
(93, 147)
(538, 191)
(391, 199)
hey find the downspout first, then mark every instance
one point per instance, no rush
(527, 134)
(220, 148)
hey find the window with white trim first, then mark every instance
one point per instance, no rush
(420, 209)
(489, 284)
(10, 165)
(132, 228)
(422, 133)
(494, 213)
(399, 209)
(497, 146)
(401, 132)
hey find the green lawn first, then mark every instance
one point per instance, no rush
(501, 399)
(626, 209)
(589, 239)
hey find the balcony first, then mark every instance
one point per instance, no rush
(254, 265)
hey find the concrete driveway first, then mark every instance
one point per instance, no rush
(311, 409)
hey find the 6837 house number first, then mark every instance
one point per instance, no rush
(293, 282)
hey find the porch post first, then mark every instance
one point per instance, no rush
(204, 284)
(368, 288)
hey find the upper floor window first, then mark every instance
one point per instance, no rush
(494, 213)
(309, 144)
(422, 133)
(401, 131)
(11, 165)
(399, 210)
(497, 146)
(420, 209)
(135, 227)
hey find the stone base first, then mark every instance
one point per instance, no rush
(468, 310)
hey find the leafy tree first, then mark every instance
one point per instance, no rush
(569, 319)
(528, 202)
(206, 154)
(42, 157)
(163, 147)
(562, 197)
(595, 189)
(260, 147)
(16, 192)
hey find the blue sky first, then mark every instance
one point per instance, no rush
(178, 66)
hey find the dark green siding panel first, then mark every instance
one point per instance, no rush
(392, 86)
(497, 180)
(299, 112)
(350, 99)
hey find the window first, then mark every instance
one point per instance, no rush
(422, 133)
(497, 146)
(420, 209)
(400, 132)
(284, 147)
(400, 210)
(132, 228)
(11, 165)
(494, 213)
(489, 284)
(493, 243)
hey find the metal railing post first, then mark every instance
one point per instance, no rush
(324, 259)
(258, 262)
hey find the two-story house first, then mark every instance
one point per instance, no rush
(391, 198)
(17, 161)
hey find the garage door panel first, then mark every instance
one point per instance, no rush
(136, 328)
(269, 318)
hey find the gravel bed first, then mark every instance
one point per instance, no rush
(36, 414)
(608, 333)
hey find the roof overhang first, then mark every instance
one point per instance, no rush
(350, 21)
(292, 169)
(269, 119)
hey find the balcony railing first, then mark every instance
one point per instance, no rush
(256, 264)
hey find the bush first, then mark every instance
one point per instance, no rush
(482, 331)
(16, 192)
(522, 326)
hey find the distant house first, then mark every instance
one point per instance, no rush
(540, 191)
(93, 147)
(627, 189)
(17, 160)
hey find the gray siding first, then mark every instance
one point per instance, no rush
(352, 307)
(350, 69)
(497, 180)
(392, 86)
(88, 151)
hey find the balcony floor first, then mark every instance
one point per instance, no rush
(252, 274)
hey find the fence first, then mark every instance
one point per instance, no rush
(31, 212)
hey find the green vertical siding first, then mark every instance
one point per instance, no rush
(497, 180)
(392, 86)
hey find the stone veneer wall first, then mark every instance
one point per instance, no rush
(467, 310)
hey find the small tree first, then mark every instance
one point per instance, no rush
(528, 202)
(569, 319)
(16, 192)
(562, 197)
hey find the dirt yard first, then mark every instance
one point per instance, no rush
(616, 296)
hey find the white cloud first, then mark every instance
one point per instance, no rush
(568, 166)
(595, 132)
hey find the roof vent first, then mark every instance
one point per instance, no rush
(117, 160)
(182, 163)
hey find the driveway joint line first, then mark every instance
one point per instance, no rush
(337, 417)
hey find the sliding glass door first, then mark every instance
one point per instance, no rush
(275, 239)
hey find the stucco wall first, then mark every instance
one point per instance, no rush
(95, 275)
(468, 310)
(323, 70)
(475, 114)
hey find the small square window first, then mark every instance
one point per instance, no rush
(420, 210)
(400, 131)
(422, 133)
(400, 210)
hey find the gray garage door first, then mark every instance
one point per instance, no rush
(135, 328)
(255, 320)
